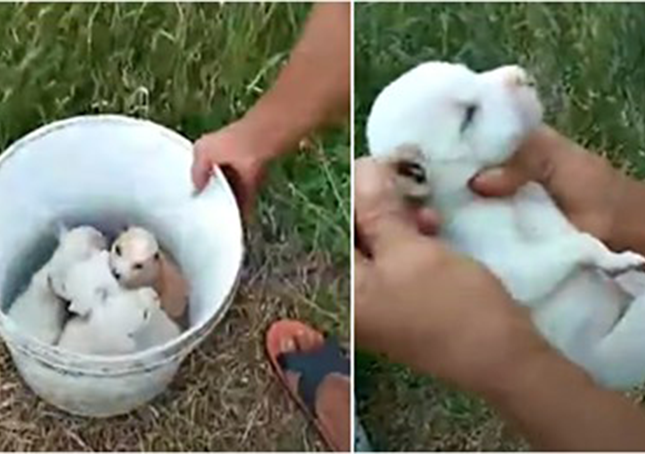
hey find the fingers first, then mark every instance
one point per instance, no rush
(245, 185)
(427, 221)
(534, 161)
(361, 282)
(498, 182)
(243, 178)
(202, 168)
(381, 218)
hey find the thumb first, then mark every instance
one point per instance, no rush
(498, 181)
(381, 216)
(202, 168)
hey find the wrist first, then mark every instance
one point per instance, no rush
(540, 374)
(627, 226)
(275, 127)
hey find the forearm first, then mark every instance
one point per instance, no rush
(314, 87)
(556, 406)
(628, 228)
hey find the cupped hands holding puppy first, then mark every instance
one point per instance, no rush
(422, 304)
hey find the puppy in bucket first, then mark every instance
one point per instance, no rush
(76, 302)
(440, 124)
(41, 310)
(137, 261)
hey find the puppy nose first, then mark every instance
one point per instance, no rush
(117, 275)
(518, 77)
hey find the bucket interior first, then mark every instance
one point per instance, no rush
(111, 172)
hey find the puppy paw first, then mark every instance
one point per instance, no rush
(618, 263)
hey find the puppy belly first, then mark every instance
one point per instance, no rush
(481, 228)
(579, 313)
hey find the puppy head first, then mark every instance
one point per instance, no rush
(135, 258)
(452, 113)
(88, 283)
(81, 239)
(122, 315)
(74, 245)
(132, 309)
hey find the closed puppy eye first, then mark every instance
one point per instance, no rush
(469, 115)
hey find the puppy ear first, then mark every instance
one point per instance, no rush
(82, 310)
(410, 177)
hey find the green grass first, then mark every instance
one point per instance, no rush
(195, 68)
(589, 61)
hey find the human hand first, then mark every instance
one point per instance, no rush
(243, 154)
(422, 304)
(584, 185)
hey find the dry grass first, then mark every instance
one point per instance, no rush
(201, 67)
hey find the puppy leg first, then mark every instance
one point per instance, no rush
(536, 214)
(539, 218)
(533, 270)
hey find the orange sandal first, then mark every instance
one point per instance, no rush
(313, 366)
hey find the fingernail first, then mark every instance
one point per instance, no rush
(494, 173)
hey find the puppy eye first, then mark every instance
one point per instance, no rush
(145, 315)
(411, 170)
(469, 116)
(117, 249)
(138, 266)
(157, 256)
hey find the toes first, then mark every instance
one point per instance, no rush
(308, 340)
(287, 345)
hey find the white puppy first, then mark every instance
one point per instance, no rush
(74, 245)
(38, 310)
(88, 282)
(135, 258)
(441, 124)
(111, 326)
(137, 261)
(158, 331)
